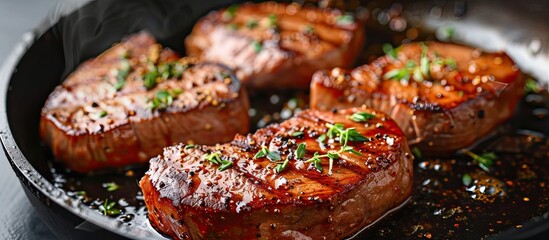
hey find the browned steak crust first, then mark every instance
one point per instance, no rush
(189, 197)
(465, 94)
(124, 106)
(276, 45)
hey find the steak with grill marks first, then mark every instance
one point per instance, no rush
(242, 190)
(445, 97)
(124, 106)
(276, 45)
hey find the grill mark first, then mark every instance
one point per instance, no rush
(261, 183)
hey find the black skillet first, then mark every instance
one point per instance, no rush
(37, 65)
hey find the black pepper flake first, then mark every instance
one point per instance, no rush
(480, 114)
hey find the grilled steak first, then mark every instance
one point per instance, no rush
(443, 96)
(280, 183)
(127, 104)
(276, 45)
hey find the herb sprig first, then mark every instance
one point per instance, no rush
(484, 160)
(111, 186)
(215, 158)
(109, 209)
(361, 117)
(420, 72)
(337, 131)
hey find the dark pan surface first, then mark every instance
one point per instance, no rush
(441, 207)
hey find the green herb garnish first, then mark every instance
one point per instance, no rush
(424, 61)
(122, 73)
(345, 135)
(150, 79)
(216, 159)
(296, 134)
(361, 117)
(232, 26)
(189, 146)
(162, 100)
(271, 155)
(103, 114)
(251, 24)
(531, 86)
(111, 186)
(484, 161)
(308, 29)
(282, 166)
(213, 158)
(466, 179)
(417, 153)
(389, 50)
(300, 151)
(460, 93)
(257, 46)
(225, 165)
(345, 19)
(109, 209)
(272, 21)
(230, 12)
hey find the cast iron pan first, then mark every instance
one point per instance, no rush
(441, 206)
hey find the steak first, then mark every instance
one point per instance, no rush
(276, 45)
(318, 175)
(444, 97)
(124, 106)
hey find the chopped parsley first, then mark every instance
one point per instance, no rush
(102, 114)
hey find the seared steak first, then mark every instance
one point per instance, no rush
(124, 106)
(443, 96)
(318, 175)
(276, 45)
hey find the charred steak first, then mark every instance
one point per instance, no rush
(276, 45)
(127, 104)
(317, 175)
(443, 96)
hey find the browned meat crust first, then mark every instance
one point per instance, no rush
(276, 45)
(189, 197)
(124, 106)
(466, 94)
